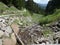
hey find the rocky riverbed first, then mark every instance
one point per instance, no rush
(7, 36)
(9, 27)
(19, 30)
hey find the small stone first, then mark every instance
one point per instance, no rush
(1, 33)
(8, 29)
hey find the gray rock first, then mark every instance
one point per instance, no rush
(8, 29)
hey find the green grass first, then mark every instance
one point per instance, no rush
(38, 18)
(50, 18)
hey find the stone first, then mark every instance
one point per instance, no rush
(0, 41)
(8, 29)
(1, 33)
(15, 28)
(8, 41)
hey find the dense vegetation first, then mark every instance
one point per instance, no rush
(52, 5)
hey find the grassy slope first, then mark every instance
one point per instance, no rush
(51, 18)
(37, 18)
